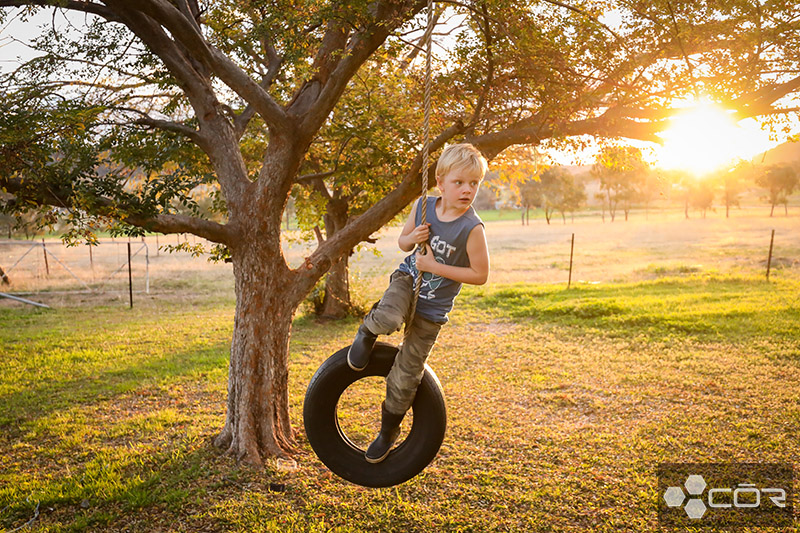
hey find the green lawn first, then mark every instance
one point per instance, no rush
(561, 405)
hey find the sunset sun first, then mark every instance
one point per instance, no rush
(704, 137)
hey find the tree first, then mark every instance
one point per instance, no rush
(573, 197)
(530, 195)
(234, 95)
(620, 170)
(651, 186)
(779, 181)
(519, 169)
(732, 182)
(702, 195)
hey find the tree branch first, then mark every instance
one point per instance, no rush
(388, 16)
(164, 223)
(487, 35)
(186, 32)
(760, 102)
(72, 5)
(372, 219)
(607, 126)
(146, 120)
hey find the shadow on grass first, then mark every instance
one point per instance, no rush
(49, 396)
(123, 490)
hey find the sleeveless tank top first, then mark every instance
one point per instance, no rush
(448, 240)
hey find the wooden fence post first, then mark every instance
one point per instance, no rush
(130, 275)
(46, 264)
(571, 249)
(769, 257)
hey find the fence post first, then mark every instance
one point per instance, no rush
(44, 251)
(769, 257)
(571, 249)
(130, 275)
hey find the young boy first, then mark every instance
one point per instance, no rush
(457, 253)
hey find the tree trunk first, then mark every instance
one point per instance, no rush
(257, 420)
(772, 210)
(336, 302)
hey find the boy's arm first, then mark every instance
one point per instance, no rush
(411, 235)
(478, 252)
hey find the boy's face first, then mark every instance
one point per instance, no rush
(458, 187)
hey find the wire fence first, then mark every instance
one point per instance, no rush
(662, 245)
(30, 267)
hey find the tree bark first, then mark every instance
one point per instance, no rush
(257, 421)
(336, 302)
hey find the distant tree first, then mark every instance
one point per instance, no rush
(601, 197)
(702, 195)
(519, 169)
(731, 183)
(651, 187)
(779, 181)
(530, 195)
(683, 185)
(552, 187)
(620, 170)
(566, 194)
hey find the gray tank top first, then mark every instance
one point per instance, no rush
(448, 241)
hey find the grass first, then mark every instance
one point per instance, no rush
(561, 404)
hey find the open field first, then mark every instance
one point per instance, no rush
(661, 242)
(561, 404)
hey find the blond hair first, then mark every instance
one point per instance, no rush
(462, 156)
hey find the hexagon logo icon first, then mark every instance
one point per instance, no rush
(674, 496)
(695, 508)
(695, 484)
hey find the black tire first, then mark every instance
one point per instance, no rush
(344, 458)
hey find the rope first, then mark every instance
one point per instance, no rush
(426, 137)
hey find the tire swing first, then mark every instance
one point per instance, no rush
(337, 451)
(334, 376)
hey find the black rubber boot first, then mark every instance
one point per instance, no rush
(390, 430)
(358, 354)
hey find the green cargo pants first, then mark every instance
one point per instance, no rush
(388, 316)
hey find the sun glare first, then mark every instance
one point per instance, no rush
(704, 137)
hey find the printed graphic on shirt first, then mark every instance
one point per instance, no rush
(441, 247)
(429, 282)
